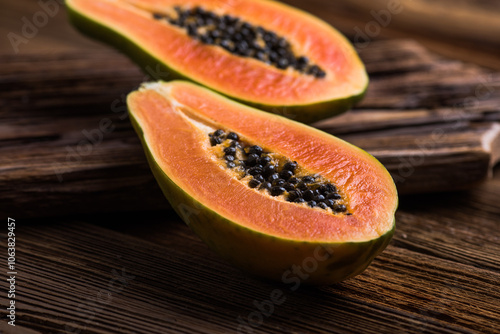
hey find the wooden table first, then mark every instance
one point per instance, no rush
(116, 259)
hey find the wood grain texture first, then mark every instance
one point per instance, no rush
(469, 20)
(147, 273)
(465, 30)
(67, 146)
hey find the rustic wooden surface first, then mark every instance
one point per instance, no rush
(145, 272)
(148, 273)
(432, 122)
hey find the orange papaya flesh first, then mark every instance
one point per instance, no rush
(260, 233)
(169, 51)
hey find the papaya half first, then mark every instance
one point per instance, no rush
(262, 53)
(273, 196)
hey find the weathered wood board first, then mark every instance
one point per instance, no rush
(148, 273)
(66, 145)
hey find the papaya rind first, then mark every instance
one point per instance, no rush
(158, 70)
(265, 255)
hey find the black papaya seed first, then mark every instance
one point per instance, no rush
(206, 39)
(232, 136)
(279, 183)
(291, 166)
(334, 196)
(302, 186)
(255, 171)
(230, 151)
(327, 188)
(273, 177)
(308, 179)
(265, 185)
(294, 194)
(302, 60)
(319, 198)
(308, 195)
(259, 166)
(253, 183)
(323, 205)
(235, 144)
(173, 22)
(276, 191)
(256, 150)
(268, 170)
(340, 208)
(252, 159)
(286, 174)
(329, 202)
(264, 160)
(215, 141)
(259, 178)
(218, 132)
(283, 63)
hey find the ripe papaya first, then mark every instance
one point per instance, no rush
(274, 197)
(262, 53)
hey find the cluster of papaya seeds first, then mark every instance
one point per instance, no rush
(276, 175)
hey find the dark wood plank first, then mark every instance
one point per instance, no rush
(422, 114)
(465, 30)
(439, 275)
(470, 20)
(436, 157)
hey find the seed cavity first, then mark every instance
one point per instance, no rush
(276, 175)
(240, 38)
